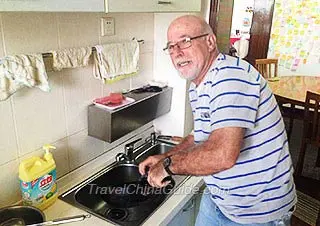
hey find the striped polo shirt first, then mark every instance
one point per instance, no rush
(259, 187)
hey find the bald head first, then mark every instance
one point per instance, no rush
(192, 47)
(191, 24)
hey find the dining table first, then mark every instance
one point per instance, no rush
(290, 92)
(294, 88)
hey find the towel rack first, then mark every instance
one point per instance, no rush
(46, 55)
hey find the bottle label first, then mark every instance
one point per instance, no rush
(38, 191)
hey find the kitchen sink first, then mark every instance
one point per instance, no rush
(98, 195)
(157, 149)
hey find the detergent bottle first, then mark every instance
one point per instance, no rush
(38, 180)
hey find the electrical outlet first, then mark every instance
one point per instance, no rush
(107, 26)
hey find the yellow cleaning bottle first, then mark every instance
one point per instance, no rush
(38, 180)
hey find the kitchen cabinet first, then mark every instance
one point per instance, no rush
(197, 200)
(53, 6)
(101, 5)
(188, 214)
(152, 5)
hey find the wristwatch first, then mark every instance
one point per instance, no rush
(166, 164)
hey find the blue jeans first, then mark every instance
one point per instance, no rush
(210, 215)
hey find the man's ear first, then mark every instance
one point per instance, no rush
(211, 42)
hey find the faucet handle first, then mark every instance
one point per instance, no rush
(130, 146)
(129, 149)
(120, 157)
(152, 138)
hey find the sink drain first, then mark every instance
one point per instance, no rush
(117, 214)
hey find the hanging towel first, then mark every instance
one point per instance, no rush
(242, 47)
(71, 58)
(22, 70)
(116, 60)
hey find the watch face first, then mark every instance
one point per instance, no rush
(166, 162)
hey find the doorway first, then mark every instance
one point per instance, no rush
(260, 27)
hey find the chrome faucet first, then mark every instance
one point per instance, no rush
(153, 138)
(127, 156)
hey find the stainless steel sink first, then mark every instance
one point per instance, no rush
(157, 149)
(90, 195)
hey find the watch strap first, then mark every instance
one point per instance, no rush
(167, 164)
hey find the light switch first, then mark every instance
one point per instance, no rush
(107, 26)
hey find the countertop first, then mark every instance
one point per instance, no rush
(162, 216)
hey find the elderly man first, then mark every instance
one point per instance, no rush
(239, 144)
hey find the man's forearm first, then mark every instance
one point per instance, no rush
(186, 143)
(195, 161)
(218, 153)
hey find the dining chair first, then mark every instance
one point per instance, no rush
(267, 67)
(289, 110)
(318, 219)
(311, 131)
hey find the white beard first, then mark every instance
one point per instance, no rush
(191, 74)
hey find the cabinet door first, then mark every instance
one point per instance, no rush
(53, 5)
(185, 216)
(197, 201)
(152, 5)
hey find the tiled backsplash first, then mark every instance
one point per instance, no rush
(31, 118)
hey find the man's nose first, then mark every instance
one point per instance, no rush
(176, 51)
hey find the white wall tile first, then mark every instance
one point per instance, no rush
(9, 180)
(40, 116)
(60, 117)
(145, 70)
(117, 86)
(78, 29)
(83, 148)
(8, 142)
(130, 25)
(60, 155)
(80, 89)
(1, 39)
(144, 130)
(29, 32)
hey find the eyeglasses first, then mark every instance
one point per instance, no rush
(182, 44)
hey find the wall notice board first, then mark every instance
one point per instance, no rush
(295, 34)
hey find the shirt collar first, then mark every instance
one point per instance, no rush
(221, 57)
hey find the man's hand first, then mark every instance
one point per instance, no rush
(149, 162)
(156, 175)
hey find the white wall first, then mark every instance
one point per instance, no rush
(238, 16)
(31, 118)
(179, 120)
(173, 122)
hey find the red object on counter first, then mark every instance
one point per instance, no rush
(233, 40)
(112, 99)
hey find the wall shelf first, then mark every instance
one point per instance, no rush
(109, 125)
